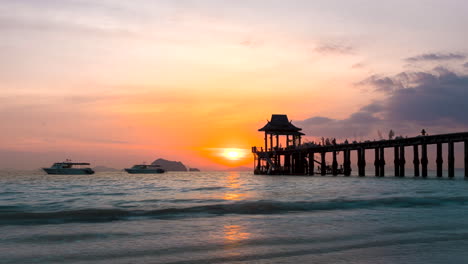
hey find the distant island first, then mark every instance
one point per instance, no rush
(169, 165)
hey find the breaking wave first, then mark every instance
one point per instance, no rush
(11, 215)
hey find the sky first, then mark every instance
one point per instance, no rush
(116, 82)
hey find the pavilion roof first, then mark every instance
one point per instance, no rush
(280, 125)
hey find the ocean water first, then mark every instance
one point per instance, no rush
(231, 217)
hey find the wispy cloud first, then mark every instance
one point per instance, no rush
(358, 65)
(251, 42)
(436, 57)
(335, 48)
(23, 24)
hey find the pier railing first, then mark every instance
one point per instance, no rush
(300, 159)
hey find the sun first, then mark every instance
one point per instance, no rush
(233, 154)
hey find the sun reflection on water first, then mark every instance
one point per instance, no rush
(234, 233)
(233, 186)
(234, 236)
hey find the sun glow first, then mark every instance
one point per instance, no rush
(233, 153)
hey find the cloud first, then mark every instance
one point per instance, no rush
(406, 80)
(96, 18)
(465, 65)
(381, 84)
(414, 100)
(359, 124)
(334, 48)
(436, 57)
(250, 42)
(18, 24)
(358, 65)
(434, 97)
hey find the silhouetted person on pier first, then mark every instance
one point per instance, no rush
(423, 132)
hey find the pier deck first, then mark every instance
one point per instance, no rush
(299, 158)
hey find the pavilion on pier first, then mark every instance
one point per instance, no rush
(278, 129)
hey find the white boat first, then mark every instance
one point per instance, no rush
(144, 168)
(67, 168)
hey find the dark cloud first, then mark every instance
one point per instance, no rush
(358, 124)
(405, 80)
(435, 97)
(381, 84)
(373, 108)
(415, 100)
(436, 57)
(335, 48)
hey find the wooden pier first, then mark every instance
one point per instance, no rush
(296, 158)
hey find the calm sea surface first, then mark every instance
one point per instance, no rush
(231, 217)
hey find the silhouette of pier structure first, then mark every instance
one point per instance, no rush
(297, 158)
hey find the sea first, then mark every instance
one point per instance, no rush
(231, 217)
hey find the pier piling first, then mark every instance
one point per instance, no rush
(311, 163)
(361, 161)
(439, 160)
(466, 158)
(396, 161)
(416, 160)
(402, 161)
(377, 162)
(347, 162)
(382, 162)
(323, 167)
(451, 160)
(334, 165)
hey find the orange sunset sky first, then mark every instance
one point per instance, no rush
(116, 82)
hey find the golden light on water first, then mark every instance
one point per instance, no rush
(233, 196)
(234, 236)
(233, 185)
(235, 233)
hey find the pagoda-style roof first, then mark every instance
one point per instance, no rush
(280, 125)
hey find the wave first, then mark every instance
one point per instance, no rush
(10, 216)
(208, 189)
(9, 193)
(102, 194)
(61, 238)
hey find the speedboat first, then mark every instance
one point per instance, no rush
(67, 168)
(144, 168)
